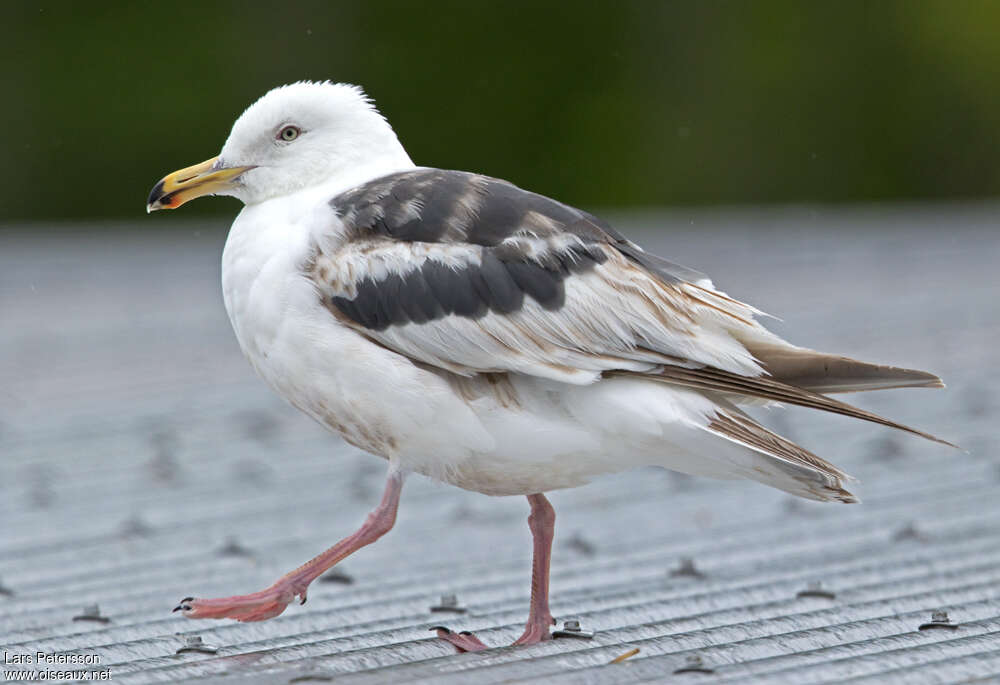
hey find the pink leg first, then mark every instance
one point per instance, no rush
(542, 521)
(270, 602)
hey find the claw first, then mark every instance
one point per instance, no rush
(181, 607)
(444, 628)
(463, 641)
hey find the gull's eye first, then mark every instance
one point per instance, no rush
(289, 133)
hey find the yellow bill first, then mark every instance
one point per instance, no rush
(194, 181)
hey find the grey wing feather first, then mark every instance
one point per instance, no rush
(473, 274)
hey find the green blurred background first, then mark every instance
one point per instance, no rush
(598, 103)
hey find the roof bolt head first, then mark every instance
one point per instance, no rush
(687, 568)
(815, 589)
(135, 526)
(909, 532)
(582, 545)
(233, 548)
(572, 628)
(448, 603)
(693, 663)
(194, 643)
(91, 612)
(337, 575)
(939, 619)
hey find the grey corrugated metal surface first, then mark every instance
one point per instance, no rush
(144, 462)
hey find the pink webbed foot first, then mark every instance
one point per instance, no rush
(535, 632)
(270, 602)
(542, 522)
(465, 641)
(258, 606)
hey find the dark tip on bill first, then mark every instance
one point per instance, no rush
(156, 194)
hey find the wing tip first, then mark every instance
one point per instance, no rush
(926, 436)
(828, 492)
(831, 491)
(830, 373)
(921, 379)
(844, 497)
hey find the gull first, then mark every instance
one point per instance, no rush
(486, 336)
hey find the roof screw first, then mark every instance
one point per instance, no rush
(163, 466)
(448, 604)
(815, 589)
(582, 545)
(909, 532)
(233, 548)
(336, 575)
(939, 619)
(92, 612)
(194, 643)
(693, 663)
(687, 568)
(40, 489)
(135, 526)
(571, 628)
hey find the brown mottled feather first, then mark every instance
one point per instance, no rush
(770, 389)
(824, 481)
(827, 373)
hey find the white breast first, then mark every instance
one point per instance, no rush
(375, 398)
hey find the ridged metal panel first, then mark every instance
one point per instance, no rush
(144, 462)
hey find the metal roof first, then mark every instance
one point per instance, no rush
(144, 462)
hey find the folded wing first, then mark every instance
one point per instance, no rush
(471, 274)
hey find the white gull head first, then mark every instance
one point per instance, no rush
(306, 134)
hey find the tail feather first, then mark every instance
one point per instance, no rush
(765, 387)
(829, 373)
(788, 466)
